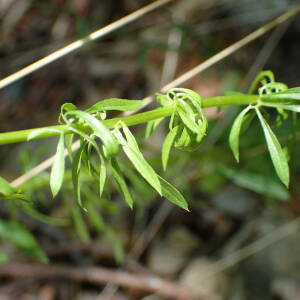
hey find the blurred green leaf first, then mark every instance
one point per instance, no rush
(22, 239)
(258, 183)
(76, 166)
(117, 173)
(3, 258)
(80, 224)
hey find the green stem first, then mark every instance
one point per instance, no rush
(22, 135)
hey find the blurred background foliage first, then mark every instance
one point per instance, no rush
(231, 205)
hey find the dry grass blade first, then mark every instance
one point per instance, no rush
(231, 49)
(97, 275)
(183, 78)
(257, 246)
(80, 43)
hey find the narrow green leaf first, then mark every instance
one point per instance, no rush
(96, 218)
(58, 167)
(151, 126)
(118, 248)
(19, 236)
(139, 162)
(289, 94)
(80, 224)
(167, 145)
(172, 194)
(235, 133)
(290, 107)
(162, 99)
(69, 141)
(41, 131)
(117, 173)
(295, 108)
(143, 167)
(131, 141)
(115, 104)
(102, 175)
(76, 166)
(47, 219)
(100, 130)
(277, 155)
(188, 118)
(186, 140)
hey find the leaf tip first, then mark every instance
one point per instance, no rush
(237, 158)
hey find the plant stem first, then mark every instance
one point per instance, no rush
(22, 135)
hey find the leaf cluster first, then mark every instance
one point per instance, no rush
(275, 95)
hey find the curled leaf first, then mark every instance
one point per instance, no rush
(100, 130)
(115, 104)
(167, 145)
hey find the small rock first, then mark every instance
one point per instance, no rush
(286, 289)
(235, 201)
(196, 279)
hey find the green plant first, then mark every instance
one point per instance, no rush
(101, 139)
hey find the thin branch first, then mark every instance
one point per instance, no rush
(231, 49)
(265, 53)
(266, 241)
(183, 78)
(97, 275)
(80, 43)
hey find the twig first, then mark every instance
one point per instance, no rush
(97, 275)
(172, 55)
(265, 53)
(79, 43)
(233, 48)
(181, 79)
(147, 236)
(257, 246)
